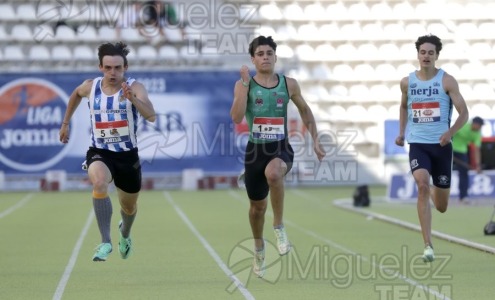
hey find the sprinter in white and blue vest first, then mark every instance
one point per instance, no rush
(428, 97)
(114, 104)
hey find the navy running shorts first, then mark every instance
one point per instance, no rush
(437, 160)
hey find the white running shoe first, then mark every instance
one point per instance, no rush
(283, 244)
(428, 255)
(259, 263)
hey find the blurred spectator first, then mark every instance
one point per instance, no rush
(156, 15)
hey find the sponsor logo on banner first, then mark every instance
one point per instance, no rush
(31, 114)
(482, 186)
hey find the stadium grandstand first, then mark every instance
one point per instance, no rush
(348, 56)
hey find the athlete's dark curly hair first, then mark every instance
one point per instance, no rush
(119, 48)
(261, 40)
(432, 39)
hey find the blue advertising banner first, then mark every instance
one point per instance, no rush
(482, 186)
(193, 128)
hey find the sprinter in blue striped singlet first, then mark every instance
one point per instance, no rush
(114, 104)
(263, 100)
(428, 96)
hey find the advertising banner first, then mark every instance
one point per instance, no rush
(482, 186)
(193, 128)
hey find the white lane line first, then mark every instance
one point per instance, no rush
(393, 273)
(345, 204)
(18, 205)
(73, 258)
(396, 274)
(209, 248)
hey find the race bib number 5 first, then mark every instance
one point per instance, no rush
(112, 132)
(270, 129)
(426, 112)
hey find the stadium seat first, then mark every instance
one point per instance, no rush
(466, 30)
(26, 13)
(381, 11)
(107, 33)
(405, 69)
(386, 72)
(318, 92)
(293, 12)
(62, 53)
(132, 35)
(415, 30)
(325, 52)
(483, 91)
(373, 31)
(394, 31)
(466, 91)
(13, 53)
(481, 110)
(330, 32)
(364, 72)
(286, 33)
(486, 30)
(454, 10)
(21, 32)
(403, 10)
(359, 92)
(284, 51)
(343, 72)
(147, 52)
(87, 34)
(270, 12)
(357, 112)
(393, 112)
(338, 90)
(451, 68)
(408, 51)
(39, 53)
(337, 111)
(305, 52)
(483, 50)
(439, 29)
(377, 111)
(389, 51)
(368, 51)
(7, 12)
(346, 52)
(168, 52)
(337, 11)
(379, 92)
(308, 32)
(358, 11)
(65, 34)
(472, 71)
(84, 52)
(351, 31)
(173, 35)
(265, 30)
(321, 72)
(314, 11)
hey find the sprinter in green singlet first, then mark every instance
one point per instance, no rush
(263, 100)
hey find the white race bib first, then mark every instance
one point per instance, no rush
(112, 132)
(425, 112)
(269, 129)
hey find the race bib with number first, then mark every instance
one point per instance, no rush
(426, 112)
(268, 129)
(111, 132)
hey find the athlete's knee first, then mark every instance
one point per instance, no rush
(100, 186)
(258, 207)
(423, 188)
(274, 176)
